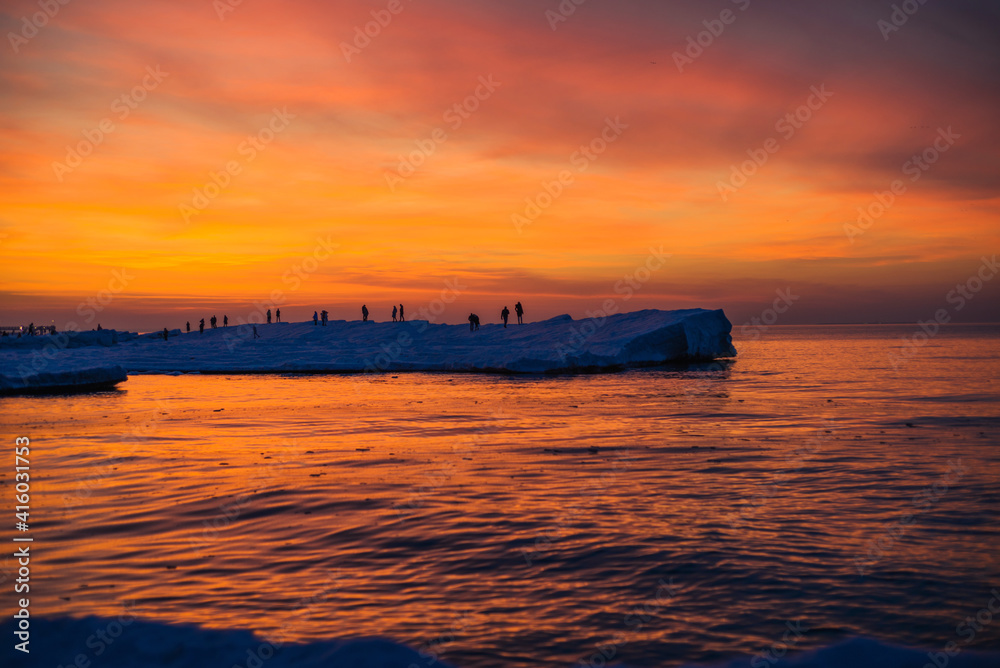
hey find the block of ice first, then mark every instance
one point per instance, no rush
(561, 344)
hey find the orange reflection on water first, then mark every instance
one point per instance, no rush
(527, 513)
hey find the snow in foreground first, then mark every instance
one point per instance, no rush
(560, 344)
(142, 644)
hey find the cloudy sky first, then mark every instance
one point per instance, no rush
(170, 160)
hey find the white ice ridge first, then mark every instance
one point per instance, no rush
(61, 377)
(560, 344)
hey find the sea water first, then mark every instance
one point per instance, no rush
(829, 483)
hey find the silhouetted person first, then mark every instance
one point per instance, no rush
(277, 315)
(402, 318)
(394, 313)
(201, 326)
(504, 314)
(214, 322)
(187, 326)
(364, 313)
(31, 329)
(519, 310)
(165, 334)
(315, 318)
(255, 334)
(98, 327)
(269, 316)
(323, 315)
(473, 322)
(225, 321)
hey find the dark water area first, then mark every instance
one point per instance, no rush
(830, 482)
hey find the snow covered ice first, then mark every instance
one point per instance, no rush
(560, 344)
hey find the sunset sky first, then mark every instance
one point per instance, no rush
(317, 211)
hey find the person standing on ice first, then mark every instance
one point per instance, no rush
(277, 315)
(214, 322)
(323, 315)
(364, 313)
(269, 316)
(201, 326)
(225, 321)
(165, 334)
(473, 322)
(394, 313)
(187, 326)
(504, 314)
(315, 318)
(519, 310)
(402, 318)
(255, 334)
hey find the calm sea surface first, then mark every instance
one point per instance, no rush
(662, 516)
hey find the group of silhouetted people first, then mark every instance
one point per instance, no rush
(504, 315)
(398, 313)
(322, 317)
(213, 323)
